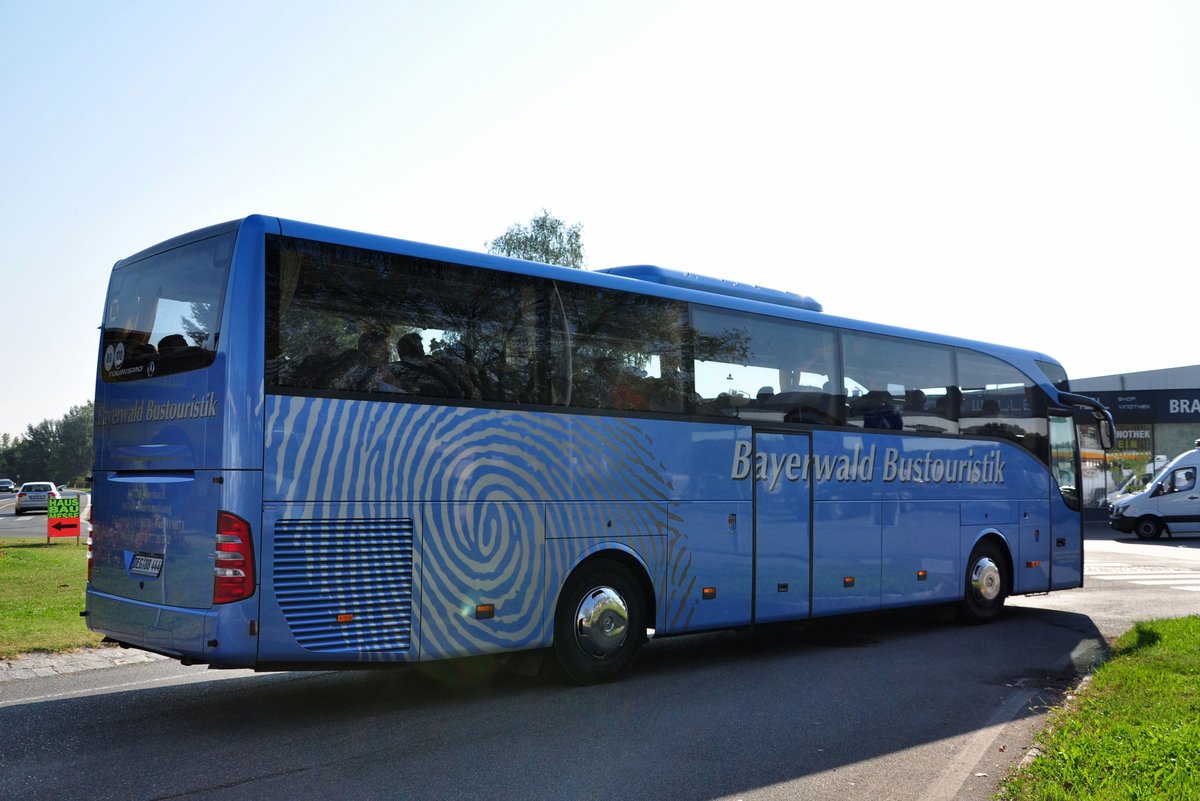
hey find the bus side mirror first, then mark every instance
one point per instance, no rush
(1107, 436)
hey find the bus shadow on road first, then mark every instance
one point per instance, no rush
(704, 716)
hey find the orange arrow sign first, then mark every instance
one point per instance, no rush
(62, 527)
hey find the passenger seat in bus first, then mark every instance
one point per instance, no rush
(816, 406)
(172, 345)
(877, 409)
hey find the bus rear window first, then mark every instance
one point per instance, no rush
(163, 312)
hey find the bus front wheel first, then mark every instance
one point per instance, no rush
(986, 584)
(600, 622)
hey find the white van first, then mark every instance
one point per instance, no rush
(1136, 482)
(1170, 503)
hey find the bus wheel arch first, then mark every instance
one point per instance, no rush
(601, 616)
(987, 581)
(1148, 527)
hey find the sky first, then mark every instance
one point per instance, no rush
(1026, 173)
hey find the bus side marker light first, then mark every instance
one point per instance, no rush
(708, 593)
(485, 611)
(1033, 564)
(848, 582)
(922, 575)
(345, 617)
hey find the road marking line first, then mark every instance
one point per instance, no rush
(1148, 576)
(948, 785)
(1165, 581)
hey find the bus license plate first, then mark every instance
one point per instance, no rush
(146, 564)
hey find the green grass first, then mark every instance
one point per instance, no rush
(1134, 733)
(41, 595)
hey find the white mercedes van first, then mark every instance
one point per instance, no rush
(1170, 502)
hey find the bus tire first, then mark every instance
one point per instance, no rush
(986, 584)
(600, 622)
(1148, 528)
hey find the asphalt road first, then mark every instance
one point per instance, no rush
(897, 706)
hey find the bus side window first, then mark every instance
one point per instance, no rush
(896, 383)
(764, 369)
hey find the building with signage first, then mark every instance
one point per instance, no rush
(1157, 413)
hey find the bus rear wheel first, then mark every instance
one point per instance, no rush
(986, 584)
(1148, 528)
(600, 622)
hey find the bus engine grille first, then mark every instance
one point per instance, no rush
(346, 586)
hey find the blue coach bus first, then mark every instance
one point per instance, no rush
(317, 448)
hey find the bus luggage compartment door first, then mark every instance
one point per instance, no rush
(783, 527)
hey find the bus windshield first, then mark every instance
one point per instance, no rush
(162, 314)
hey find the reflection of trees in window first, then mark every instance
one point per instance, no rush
(330, 302)
(489, 348)
(485, 335)
(725, 345)
(340, 318)
(197, 325)
(618, 350)
(164, 309)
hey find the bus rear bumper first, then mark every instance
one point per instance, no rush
(189, 635)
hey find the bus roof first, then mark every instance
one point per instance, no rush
(717, 286)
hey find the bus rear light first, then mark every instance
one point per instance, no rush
(233, 571)
(87, 517)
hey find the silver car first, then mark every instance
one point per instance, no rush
(7, 485)
(35, 495)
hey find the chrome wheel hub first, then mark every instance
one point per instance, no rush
(601, 622)
(985, 579)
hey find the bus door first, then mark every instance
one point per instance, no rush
(1066, 548)
(783, 526)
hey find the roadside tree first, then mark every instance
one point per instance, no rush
(546, 239)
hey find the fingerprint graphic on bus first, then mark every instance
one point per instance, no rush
(504, 503)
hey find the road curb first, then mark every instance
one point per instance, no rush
(43, 663)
